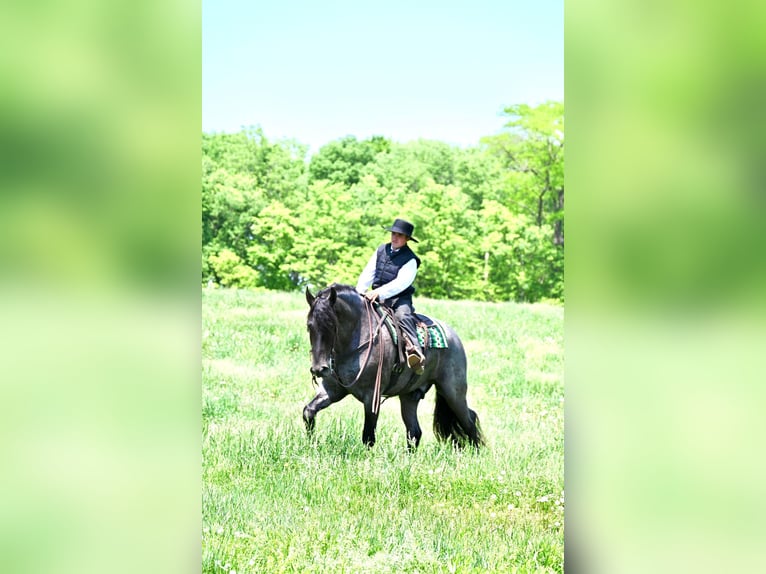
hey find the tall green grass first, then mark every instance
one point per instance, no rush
(275, 500)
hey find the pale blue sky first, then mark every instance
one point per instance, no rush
(317, 71)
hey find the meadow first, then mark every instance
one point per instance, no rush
(275, 500)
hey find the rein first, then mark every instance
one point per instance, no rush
(369, 307)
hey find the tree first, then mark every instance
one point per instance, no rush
(242, 174)
(276, 168)
(274, 231)
(479, 174)
(231, 271)
(410, 166)
(343, 161)
(489, 218)
(520, 260)
(448, 232)
(229, 201)
(533, 152)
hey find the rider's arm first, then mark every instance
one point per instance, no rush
(368, 274)
(404, 279)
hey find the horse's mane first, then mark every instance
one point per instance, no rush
(323, 315)
(345, 291)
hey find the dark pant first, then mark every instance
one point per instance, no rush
(405, 314)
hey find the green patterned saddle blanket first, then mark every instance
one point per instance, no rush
(437, 336)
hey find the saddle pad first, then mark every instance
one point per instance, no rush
(437, 338)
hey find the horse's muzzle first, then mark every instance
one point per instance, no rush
(320, 370)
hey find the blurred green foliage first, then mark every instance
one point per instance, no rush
(665, 286)
(99, 192)
(99, 289)
(94, 142)
(489, 219)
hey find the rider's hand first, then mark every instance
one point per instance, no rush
(371, 295)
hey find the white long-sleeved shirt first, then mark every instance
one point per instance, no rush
(403, 279)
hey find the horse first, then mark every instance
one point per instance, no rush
(354, 354)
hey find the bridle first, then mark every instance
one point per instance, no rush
(369, 307)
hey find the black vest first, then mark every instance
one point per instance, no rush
(387, 267)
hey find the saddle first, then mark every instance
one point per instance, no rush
(431, 333)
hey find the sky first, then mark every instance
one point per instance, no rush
(316, 71)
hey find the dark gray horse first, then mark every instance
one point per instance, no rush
(353, 353)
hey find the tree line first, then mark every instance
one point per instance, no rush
(489, 218)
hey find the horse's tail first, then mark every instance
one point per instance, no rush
(448, 426)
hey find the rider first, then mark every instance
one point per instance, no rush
(391, 272)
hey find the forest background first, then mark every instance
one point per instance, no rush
(489, 218)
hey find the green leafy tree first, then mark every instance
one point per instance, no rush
(242, 174)
(479, 174)
(230, 271)
(277, 168)
(344, 160)
(338, 233)
(447, 231)
(409, 167)
(520, 260)
(489, 218)
(274, 231)
(533, 152)
(228, 203)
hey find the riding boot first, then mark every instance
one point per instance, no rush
(415, 359)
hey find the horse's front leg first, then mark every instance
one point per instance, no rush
(321, 400)
(370, 422)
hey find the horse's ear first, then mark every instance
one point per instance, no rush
(309, 297)
(333, 295)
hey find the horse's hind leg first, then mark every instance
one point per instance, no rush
(452, 417)
(321, 400)
(409, 404)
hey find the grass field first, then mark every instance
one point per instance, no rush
(276, 501)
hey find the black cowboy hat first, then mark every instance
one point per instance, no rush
(403, 227)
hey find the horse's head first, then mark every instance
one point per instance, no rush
(322, 325)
